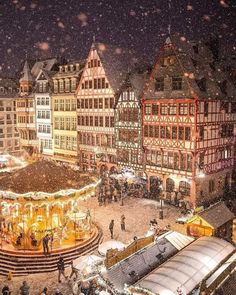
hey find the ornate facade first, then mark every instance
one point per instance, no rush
(105, 70)
(188, 123)
(128, 123)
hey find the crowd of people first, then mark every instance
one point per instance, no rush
(25, 290)
(114, 190)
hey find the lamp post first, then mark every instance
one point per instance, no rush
(161, 215)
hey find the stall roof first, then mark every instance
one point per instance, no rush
(188, 267)
(217, 215)
(136, 266)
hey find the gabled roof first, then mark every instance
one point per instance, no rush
(26, 73)
(196, 65)
(117, 62)
(217, 214)
(136, 80)
(44, 64)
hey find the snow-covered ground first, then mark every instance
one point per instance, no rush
(138, 213)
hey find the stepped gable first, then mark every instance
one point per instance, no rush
(43, 176)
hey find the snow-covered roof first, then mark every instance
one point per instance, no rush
(117, 62)
(202, 72)
(45, 64)
(131, 269)
(188, 267)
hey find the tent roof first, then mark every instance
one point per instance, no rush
(188, 267)
(136, 266)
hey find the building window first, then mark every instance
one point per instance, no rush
(201, 133)
(184, 188)
(170, 185)
(107, 103)
(111, 121)
(95, 83)
(172, 109)
(155, 109)
(159, 84)
(164, 109)
(183, 109)
(181, 133)
(100, 103)
(107, 120)
(205, 108)
(96, 121)
(91, 120)
(174, 132)
(95, 103)
(211, 186)
(177, 83)
(191, 109)
(187, 133)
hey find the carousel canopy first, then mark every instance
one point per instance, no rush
(111, 244)
(43, 176)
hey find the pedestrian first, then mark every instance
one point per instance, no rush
(45, 244)
(122, 222)
(6, 290)
(45, 291)
(111, 227)
(24, 288)
(74, 271)
(61, 268)
(58, 292)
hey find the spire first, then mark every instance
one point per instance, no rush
(26, 74)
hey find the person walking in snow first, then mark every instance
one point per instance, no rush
(111, 227)
(122, 222)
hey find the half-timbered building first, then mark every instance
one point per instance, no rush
(128, 122)
(189, 120)
(105, 70)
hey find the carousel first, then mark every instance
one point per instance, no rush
(27, 218)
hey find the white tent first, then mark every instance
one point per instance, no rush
(188, 267)
(111, 244)
(87, 260)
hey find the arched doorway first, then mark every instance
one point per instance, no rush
(155, 183)
(170, 185)
(184, 188)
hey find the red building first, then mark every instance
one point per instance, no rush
(189, 115)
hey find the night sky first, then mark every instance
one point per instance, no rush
(47, 28)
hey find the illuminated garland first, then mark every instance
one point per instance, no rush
(42, 195)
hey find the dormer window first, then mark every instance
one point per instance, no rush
(177, 83)
(159, 84)
(202, 84)
(1, 89)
